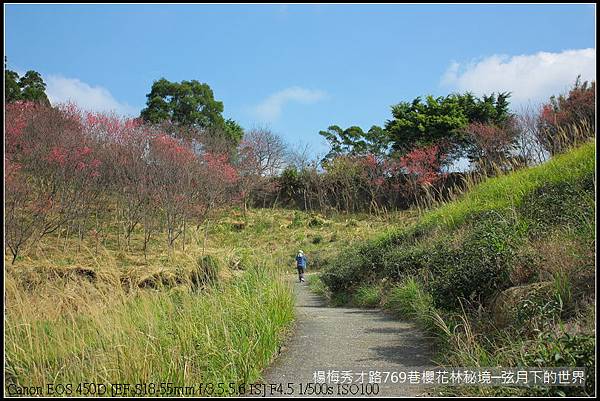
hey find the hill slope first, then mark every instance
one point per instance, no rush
(504, 275)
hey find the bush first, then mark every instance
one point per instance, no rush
(569, 205)
(352, 267)
(560, 350)
(480, 267)
(318, 259)
(317, 239)
(400, 261)
(340, 299)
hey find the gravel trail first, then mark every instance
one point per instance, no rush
(346, 339)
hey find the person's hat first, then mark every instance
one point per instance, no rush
(300, 252)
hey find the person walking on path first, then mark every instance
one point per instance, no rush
(301, 262)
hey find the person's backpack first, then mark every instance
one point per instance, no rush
(301, 261)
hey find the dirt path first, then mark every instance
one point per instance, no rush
(347, 339)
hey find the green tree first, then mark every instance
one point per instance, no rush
(378, 141)
(233, 130)
(442, 120)
(33, 88)
(354, 141)
(30, 87)
(190, 104)
(12, 92)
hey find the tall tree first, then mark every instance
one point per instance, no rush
(30, 87)
(190, 104)
(442, 120)
(233, 130)
(353, 141)
(12, 92)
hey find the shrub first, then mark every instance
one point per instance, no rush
(317, 260)
(400, 261)
(560, 350)
(340, 298)
(482, 265)
(569, 205)
(371, 260)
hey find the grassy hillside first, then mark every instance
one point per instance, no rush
(503, 276)
(96, 310)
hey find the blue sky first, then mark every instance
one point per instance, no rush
(300, 68)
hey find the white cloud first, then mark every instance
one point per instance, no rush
(92, 98)
(530, 78)
(270, 108)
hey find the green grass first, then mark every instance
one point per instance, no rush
(508, 191)
(409, 300)
(367, 295)
(316, 285)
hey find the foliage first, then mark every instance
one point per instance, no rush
(450, 270)
(478, 263)
(367, 295)
(559, 118)
(481, 266)
(183, 332)
(189, 104)
(568, 204)
(491, 145)
(440, 120)
(354, 141)
(233, 130)
(563, 349)
(423, 164)
(62, 162)
(28, 88)
(506, 191)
